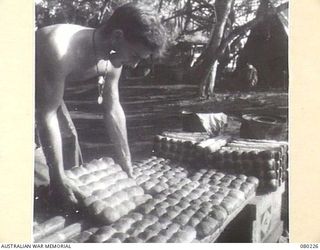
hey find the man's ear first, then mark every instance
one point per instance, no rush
(117, 36)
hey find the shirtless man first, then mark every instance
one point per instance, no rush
(67, 52)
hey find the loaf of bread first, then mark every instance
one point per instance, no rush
(186, 235)
(207, 227)
(48, 227)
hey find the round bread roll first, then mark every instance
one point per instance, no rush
(147, 185)
(79, 171)
(170, 230)
(134, 191)
(196, 177)
(223, 190)
(230, 204)
(253, 155)
(174, 196)
(108, 161)
(182, 219)
(122, 209)
(121, 236)
(247, 188)
(87, 178)
(123, 225)
(172, 213)
(156, 175)
(200, 215)
(189, 212)
(206, 204)
(218, 213)
(112, 201)
(241, 177)
(157, 212)
(156, 227)
(184, 203)
(93, 165)
(138, 200)
(193, 184)
(273, 184)
(164, 204)
(108, 180)
(158, 239)
(205, 180)
(102, 194)
(103, 234)
(96, 207)
(156, 189)
(269, 164)
(174, 181)
(89, 200)
(69, 173)
(205, 196)
(165, 220)
(85, 190)
(130, 205)
(196, 203)
(271, 174)
(142, 178)
(180, 175)
(194, 221)
(237, 194)
(207, 227)
(172, 201)
(100, 164)
(145, 235)
(180, 194)
(116, 167)
(101, 174)
(122, 195)
(160, 197)
(235, 184)
(135, 216)
(139, 227)
(193, 195)
(186, 235)
(146, 207)
(113, 240)
(219, 175)
(132, 239)
(109, 215)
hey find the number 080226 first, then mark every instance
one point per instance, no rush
(309, 246)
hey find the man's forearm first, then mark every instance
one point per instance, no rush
(49, 132)
(115, 122)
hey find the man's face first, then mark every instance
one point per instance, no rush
(128, 53)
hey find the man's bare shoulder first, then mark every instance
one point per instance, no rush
(57, 32)
(53, 42)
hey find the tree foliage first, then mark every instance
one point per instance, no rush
(222, 24)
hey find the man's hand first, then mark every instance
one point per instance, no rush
(67, 190)
(127, 167)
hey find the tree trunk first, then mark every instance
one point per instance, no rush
(208, 58)
(217, 45)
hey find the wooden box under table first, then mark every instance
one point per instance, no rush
(259, 222)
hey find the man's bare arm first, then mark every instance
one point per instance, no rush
(115, 120)
(49, 99)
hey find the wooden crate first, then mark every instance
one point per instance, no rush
(267, 225)
(260, 221)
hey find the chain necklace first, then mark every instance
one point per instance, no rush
(101, 79)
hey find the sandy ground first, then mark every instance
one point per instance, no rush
(152, 109)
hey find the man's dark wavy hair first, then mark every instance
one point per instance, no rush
(138, 26)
